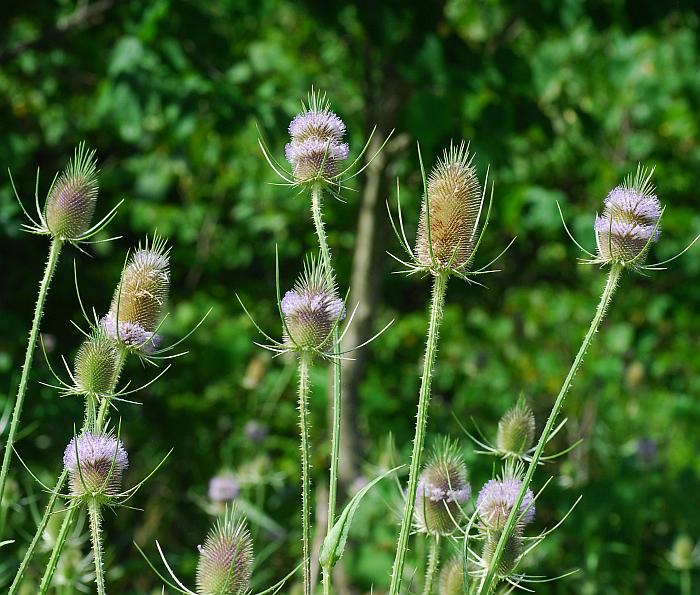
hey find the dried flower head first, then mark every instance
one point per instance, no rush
(316, 148)
(70, 204)
(224, 487)
(442, 489)
(226, 558)
(630, 220)
(451, 581)
(95, 464)
(139, 299)
(311, 310)
(447, 231)
(96, 364)
(496, 500)
(510, 556)
(516, 429)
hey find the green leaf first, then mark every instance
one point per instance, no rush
(334, 543)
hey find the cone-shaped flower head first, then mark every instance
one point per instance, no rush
(451, 581)
(70, 204)
(95, 464)
(224, 487)
(311, 310)
(226, 558)
(496, 500)
(455, 199)
(96, 364)
(316, 148)
(630, 220)
(516, 429)
(510, 556)
(140, 297)
(442, 489)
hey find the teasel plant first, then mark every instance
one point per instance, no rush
(450, 231)
(315, 154)
(66, 218)
(629, 225)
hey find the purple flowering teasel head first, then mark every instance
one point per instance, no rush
(95, 463)
(630, 220)
(224, 487)
(496, 500)
(316, 148)
(443, 488)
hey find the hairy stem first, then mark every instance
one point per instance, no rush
(431, 345)
(489, 581)
(57, 549)
(54, 253)
(304, 391)
(96, 539)
(433, 561)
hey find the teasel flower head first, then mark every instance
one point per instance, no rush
(138, 302)
(630, 220)
(96, 364)
(443, 488)
(95, 464)
(224, 487)
(226, 558)
(451, 579)
(447, 229)
(316, 149)
(516, 430)
(511, 554)
(311, 310)
(496, 500)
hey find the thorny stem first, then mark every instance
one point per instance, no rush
(431, 345)
(433, 561)
(54, 252)
(489, 581)
(57, 549)
(304, 390)
(337, 403)
(96, 538)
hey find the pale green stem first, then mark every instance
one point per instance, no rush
(96, 538)
(489, 581)
(57, 549)
(686, 582)
(433, 561)
(304, 391)
(54, 252)
(431, 345)
(337, 402)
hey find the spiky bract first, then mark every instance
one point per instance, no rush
(451, 581)
(316, 148)
(71, 202)
(455, 198)
(516, 429)
(443, 487)
(630, 220)
(95, 464)
(226, 558)
(496, 500)
(96, 364)
(311, 310)
(511, 553)
(224, 487)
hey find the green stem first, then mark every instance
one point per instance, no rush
(96, 538)
(57, 549)
(337, 402)
(304, 391)
(38, 534)
(489, 581)
(431, 345)
(433, 561)
(686, 582)
(54, 252)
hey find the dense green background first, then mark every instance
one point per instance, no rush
(561, 98)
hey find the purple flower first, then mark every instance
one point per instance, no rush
(131, 334)
(496, 500)
(95, 463)
(224, 488)
(255, 431)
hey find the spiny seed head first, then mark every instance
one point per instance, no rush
(140, 296)
(96, 364)
(511, 553)
(70, 204)
(311, 309)
(442, 489)
(455, 199)
(224, 487)
(226, 558)
(516, 429)
(630, 220)
(496, 500)
(95, 464)
(451, 581)
(316, 148)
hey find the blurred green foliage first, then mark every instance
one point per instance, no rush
(560, 98)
